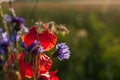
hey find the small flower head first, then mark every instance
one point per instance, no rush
(62, 51)
(7, 18)
(15, 36)
(4, 42)
(34, 47)
(18, 20)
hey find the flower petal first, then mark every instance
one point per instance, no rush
(47, 40)
(49, 76)
(52, 75)
(45, 63)
(30, 37)
(25, 69)
(28, 70)
(21, 65)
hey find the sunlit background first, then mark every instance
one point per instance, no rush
(94, 37)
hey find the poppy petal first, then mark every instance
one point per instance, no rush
(45, 63)
(49, 76)
(21, 65)
(25, 69)
(52, 75)
(28, 70)
(47, 40)
(30, 37)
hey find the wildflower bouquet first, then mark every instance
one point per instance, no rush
(22, 50)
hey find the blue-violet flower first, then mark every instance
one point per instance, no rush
(4, 42)
(62, 52)
(7, 18)
(34, 47)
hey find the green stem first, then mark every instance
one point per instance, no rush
(4, 22)
(39, 57)
(34, 70)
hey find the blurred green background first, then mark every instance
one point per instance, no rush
(94, 37)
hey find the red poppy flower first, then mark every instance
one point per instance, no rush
(30, 37)
(47, 38)
(26, 68)
(49, 76)
(45, 63)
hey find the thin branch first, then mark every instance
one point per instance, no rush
(10, 3)
(33, 10)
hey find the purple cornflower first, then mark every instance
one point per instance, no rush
(62, 52)
(34, 48)
(15, 36)
(7, 18)
(18, 22)
(13, 19)
(4, 42)
(3, 37)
